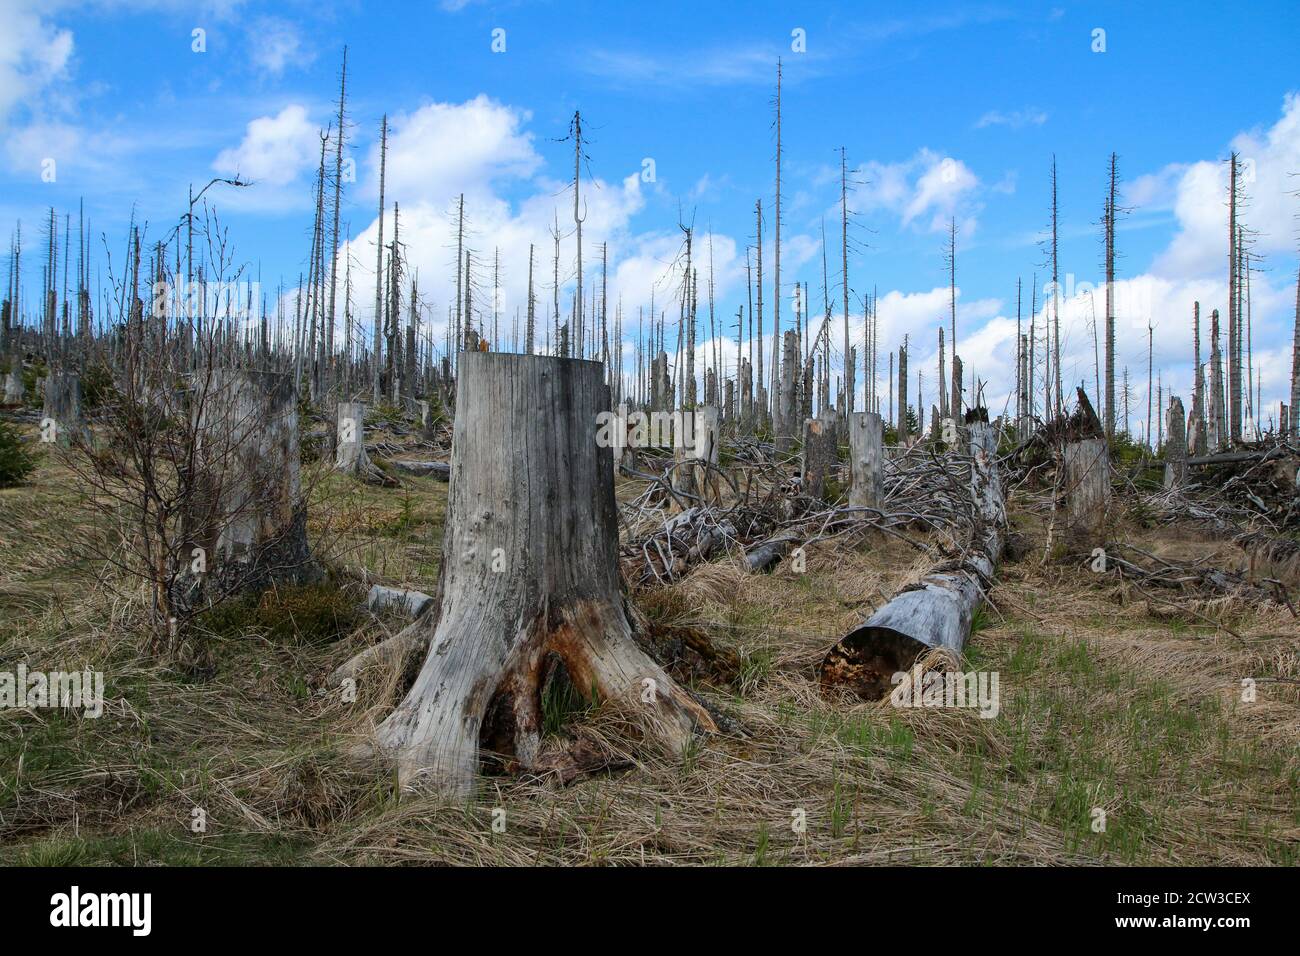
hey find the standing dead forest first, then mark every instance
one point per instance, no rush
(687, 580)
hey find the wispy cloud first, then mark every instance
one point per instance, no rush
(276, 44)
(1016, 119)
(753, 64)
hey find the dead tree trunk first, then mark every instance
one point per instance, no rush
(786, 400)
(62, 413)
(350, 451)
(14, 391)
(935, 612)
(530, 576)
(247, 512)
(1087, 492)
(866, 460)
(819, 453)
(1176, 446)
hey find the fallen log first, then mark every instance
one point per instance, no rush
(936, 611)
(440, 470)
(765, 556)
(401, 600)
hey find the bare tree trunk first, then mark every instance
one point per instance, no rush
(1056, 302)
(1295, 366)
(62, 413)
(529, 585)
(902, 393)
(1176, 447)
(818, 453)
(776, 279)
(866, 460)
(1218, 419)
(1234, 317)
(1086, 466)
(786, 403)
(954, 404)
(376, 393)
(252, 521)
(1110, 303)
(14, 390)
(334, 233)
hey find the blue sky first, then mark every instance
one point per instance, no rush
(113, 92)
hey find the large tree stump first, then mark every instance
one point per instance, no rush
(935, 612)
(866, 460)
(1087, 493)
(246, 511)
(529, 577)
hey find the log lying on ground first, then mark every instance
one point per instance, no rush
(937, 610)
(400, 600)
(765, 556)
(529, 581)
(440, 470)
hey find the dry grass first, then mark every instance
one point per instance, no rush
(1107, 701)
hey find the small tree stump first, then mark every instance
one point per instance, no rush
(866, 460)
(350, 445)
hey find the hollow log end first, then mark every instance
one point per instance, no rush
(865, 661)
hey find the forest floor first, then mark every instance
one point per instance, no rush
(1108, 701)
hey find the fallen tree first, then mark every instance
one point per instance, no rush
(530, 579)
(936, 611)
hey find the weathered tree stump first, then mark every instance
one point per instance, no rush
(62, 413)
(350, 445)
(247, 512)
(866, 460)
(1087, 493)
(1176, 446)
(937, 611)
(787, 397)
(819, 454)
(529, 577)
(704, 451)
(14, 391)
